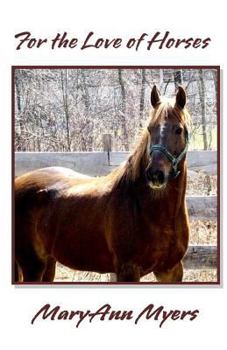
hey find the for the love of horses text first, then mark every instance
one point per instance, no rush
(146, 41)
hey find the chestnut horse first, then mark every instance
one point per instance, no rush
(131, 222)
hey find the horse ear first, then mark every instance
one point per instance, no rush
(180, 97)
(155, 96)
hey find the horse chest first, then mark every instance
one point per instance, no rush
(163, 248)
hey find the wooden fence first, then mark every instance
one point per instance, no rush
(98, 163)
(101, 163)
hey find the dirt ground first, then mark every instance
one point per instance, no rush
(66, 275)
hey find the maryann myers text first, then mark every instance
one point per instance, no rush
(106, 313)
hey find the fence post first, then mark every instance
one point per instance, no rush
(107, 145)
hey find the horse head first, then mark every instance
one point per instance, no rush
(168, 138)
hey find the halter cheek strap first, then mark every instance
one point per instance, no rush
(172, 159)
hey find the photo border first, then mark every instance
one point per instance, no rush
(102, 283)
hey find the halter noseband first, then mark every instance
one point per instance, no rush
(173, 160)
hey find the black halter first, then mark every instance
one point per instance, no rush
(173, 160)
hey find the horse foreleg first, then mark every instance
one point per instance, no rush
(170, 276)
(49, 272)
(128, 272)
(33, 273)
(32, 267)
(17, 273)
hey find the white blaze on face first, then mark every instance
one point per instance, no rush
(162, 131)
(163, 127)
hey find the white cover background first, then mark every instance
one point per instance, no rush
(110, 19)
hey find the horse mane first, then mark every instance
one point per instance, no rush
(130, 171)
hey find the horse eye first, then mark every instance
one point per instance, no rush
(179, 130)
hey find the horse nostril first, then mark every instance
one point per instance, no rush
(160, 176)
(156, 176)
(149, 174)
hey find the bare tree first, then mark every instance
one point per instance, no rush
(70, 109)
(64, 87)
(177, 78)
(142, 93)
(202, 96)
(123, 110)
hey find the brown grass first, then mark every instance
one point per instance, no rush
(66, 275)
(203, 232)
(200, 184)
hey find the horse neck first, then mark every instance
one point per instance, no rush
(179, 186)
(132, 172)
(172, 197)
(138, 161)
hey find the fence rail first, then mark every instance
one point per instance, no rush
(201, 257)
(98, 163)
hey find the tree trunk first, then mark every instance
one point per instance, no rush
(19, 112)
(177, 78)
(142, 93)
(202, 97)
(214, 73)
(64, 86)
(123, 110)
(86, 142)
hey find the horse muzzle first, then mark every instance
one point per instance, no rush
(156, 178)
